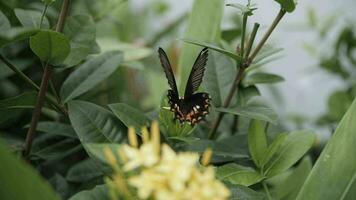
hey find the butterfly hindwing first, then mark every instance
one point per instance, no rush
(197, 73)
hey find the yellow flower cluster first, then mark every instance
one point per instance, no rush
(162, 174)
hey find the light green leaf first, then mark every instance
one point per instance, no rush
(257, 141)
(261, 78)
(4, 22)
(203, 25)
(22, 101)
(100, 192)
(296, 144)
(90, 74)
(260, 113)
(287, 5)
(237, 174)
(272, 149)
(231, 54)
(50, 46)
(219, 76)
(93, 123)
(80, 30)
(245, 94)
(19, 181)
(16, 34)
(83, 171)
(334, 173)
(130, 116)
(31, 18)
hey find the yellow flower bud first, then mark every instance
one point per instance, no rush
(145, 135)
(132, 137)
(206, 157)
(110, 157)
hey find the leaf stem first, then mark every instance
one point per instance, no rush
(42, 16)
(242, 66)
(251, 40)
(44, 85)
(244, 23)
(265, 187)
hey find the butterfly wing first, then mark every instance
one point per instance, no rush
(197, 73)
(173, 93)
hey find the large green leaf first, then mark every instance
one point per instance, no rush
(93, 123)
(31, 18)
(333, 177)
(296, 144)
(261, 113)
(4, 22)
(21, 182)
(90, 74)
(257, 141)
(237, 174)
(83, 171)
(50, 46)
(80, 29)
(25, 100)
(56, 128)
(219, 77)
(100, 192)
(129, 116)
(203, 25)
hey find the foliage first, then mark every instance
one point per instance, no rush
(85, 71)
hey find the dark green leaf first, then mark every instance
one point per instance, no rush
(239, 175)
(80, 29)
(93, 123)
(239, 192)
(31, 18)
(4, 22)
(219, 77)
(100, 192)
(83, 171)
(208, 31)
(296, 144)
(22, 101)
(90, 74)
(257, 141)
(287, 5)
(130, 116)
(60, 185)
(50, 46)
(334, 173)
(261, 78)
(15, 34)
(48, 2)
(96, 150)
(56, 128)
(260, 113)
(19, 181)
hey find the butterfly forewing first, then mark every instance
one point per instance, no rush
(168, 71)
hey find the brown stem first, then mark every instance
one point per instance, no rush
(44, 85)
(239, 75)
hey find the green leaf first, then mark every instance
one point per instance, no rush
(16, 34)
(100, 192)
(96, 151)
(288, 188)
(257, 141)
(56, 128)
(245, 94)
(130, 116)
(60, 185)
(338, 103)
(22, 101)
(296, 144)
(334, 173)
(260, 113)
(4, 22)
(287, 5)
(93, 123)
(261, 78)
(19, 181)
(272, 149)
(20, 63)
(231, 54)
(172, 128)
(90, 74)
(80, 30)
(218, 78)
(237, 174)
(239, 192)
(83, 171)
(48, 2)
(50, 46)
(211, 12)
(31, 18)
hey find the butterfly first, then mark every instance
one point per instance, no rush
(192, 107)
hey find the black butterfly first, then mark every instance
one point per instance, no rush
(191, 108)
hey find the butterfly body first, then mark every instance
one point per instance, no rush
(192, 107)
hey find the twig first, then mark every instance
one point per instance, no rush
(251, 40)
(44, 85)
(240, 73)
